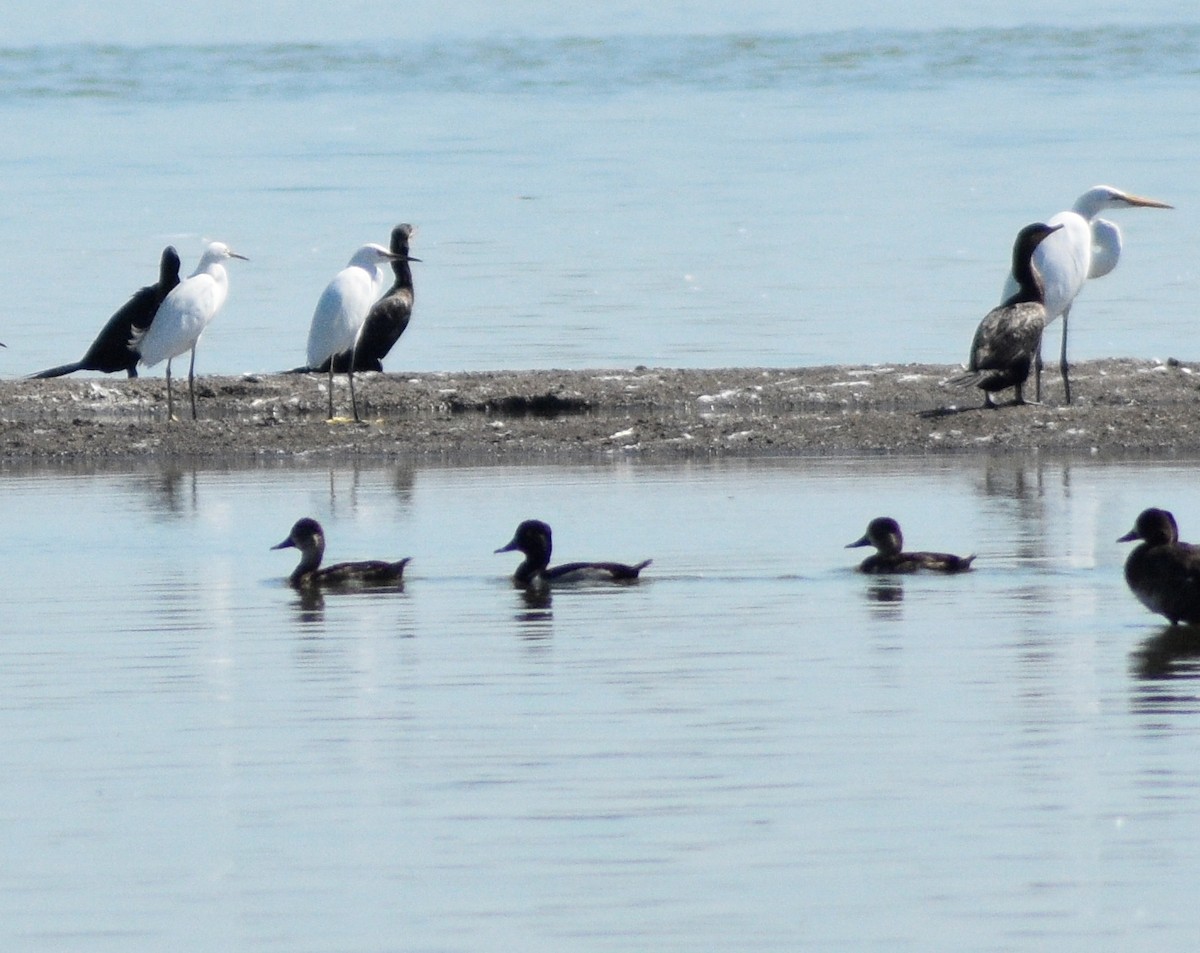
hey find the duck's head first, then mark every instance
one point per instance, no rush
(883, 533)
(533, 539)
(1153, 526)
(306, 536)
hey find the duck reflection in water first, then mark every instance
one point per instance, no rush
(1172, 655)
(884, 534)
(1161, 571)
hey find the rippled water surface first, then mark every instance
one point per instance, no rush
(756, 748)
(739, 197)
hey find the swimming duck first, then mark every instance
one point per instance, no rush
(884, 534)
(532, 538)
(308, 537)
(1163, 572)
(1010, 336)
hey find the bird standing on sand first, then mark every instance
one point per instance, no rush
(1009, 336)
(533, 540)
(341, 310)
(1087, 247)
(388, 317)
(183, 316)
(308, 537)
(1161, 571)
(110, 352)
(884, 534)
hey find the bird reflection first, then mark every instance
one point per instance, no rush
(1172, 654)
(176, 491)
(886, 591)
(309, 605)
(534, 619)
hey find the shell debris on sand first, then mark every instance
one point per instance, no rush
(1121, 407)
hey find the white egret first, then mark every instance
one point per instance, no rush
(183, 316)
(389, 316)
(1008, 337)
(341, 310)
(110, 352)
(1087, 247)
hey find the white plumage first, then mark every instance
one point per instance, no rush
(1086, 246)
(183, 316)
(342, 309)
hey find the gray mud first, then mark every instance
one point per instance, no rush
(1121, 407)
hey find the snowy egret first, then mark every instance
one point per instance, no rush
(1162, 572)
(308, 537)
(388, 317)
(1087, 247)
(184, 314)
(1008, 336)
(341, 310)
(533, 540)
(110, 352)
(884, 534)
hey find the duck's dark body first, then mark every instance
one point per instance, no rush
(533, 539)
(110, 352)
(1161, 571)
(308, 537)
(1008, 339)
(388, 317)
(884, 534)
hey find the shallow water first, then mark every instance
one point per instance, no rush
(756, 748)
(780, 195)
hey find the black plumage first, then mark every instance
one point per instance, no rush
(388, 317)
(1008, 338)
(884, 534)
(1161, 571)
(533, 539)
(308, 537)
(110, 352)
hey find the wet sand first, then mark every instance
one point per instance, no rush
(1121, 407)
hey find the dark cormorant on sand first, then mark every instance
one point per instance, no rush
(388, 317)
(1009, 337)
(110, 352)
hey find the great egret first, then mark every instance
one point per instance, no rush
(110, 352)
(1163, 572)
(1087, 247)
(308, 537)
(533, 540)
(388, 317)
(341, 310)
(184, 314)
(1008, 337)
(884, 534)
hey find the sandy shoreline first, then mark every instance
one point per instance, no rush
(1122, 407)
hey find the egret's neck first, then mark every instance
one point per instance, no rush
(1089, 205)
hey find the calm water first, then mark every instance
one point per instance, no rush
(757, 748)
(749, 198)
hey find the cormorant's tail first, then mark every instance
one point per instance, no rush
(969, 379)
(58, 371)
